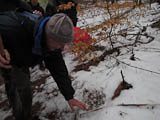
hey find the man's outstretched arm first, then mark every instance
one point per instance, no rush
(58, 70)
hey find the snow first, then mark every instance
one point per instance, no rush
(143, 74)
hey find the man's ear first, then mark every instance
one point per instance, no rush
(49, 43)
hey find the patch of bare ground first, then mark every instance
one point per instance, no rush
(156, 24)
(4, 105)
(36, 108)
(36, 84)
(61, 115)
(94, 62)
(1, 80)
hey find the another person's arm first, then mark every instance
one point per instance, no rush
(4, 56)
(38, 12)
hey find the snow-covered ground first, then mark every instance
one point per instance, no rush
(101, 81)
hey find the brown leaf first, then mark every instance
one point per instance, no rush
(122, 86)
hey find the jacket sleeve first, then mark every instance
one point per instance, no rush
(56, 65)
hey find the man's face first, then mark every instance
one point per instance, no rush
(53, 45)
(34, 2)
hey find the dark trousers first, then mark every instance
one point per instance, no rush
(18, 89)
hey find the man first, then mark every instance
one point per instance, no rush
(20, 50)
(36, 7)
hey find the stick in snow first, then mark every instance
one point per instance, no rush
(122, 86)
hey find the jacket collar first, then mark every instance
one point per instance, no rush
(37, 49)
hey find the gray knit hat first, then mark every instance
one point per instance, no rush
(60, 28)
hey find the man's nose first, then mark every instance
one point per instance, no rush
(61, 46)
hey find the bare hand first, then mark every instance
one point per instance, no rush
(37, 12)
(74, 102)
(4, 62)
